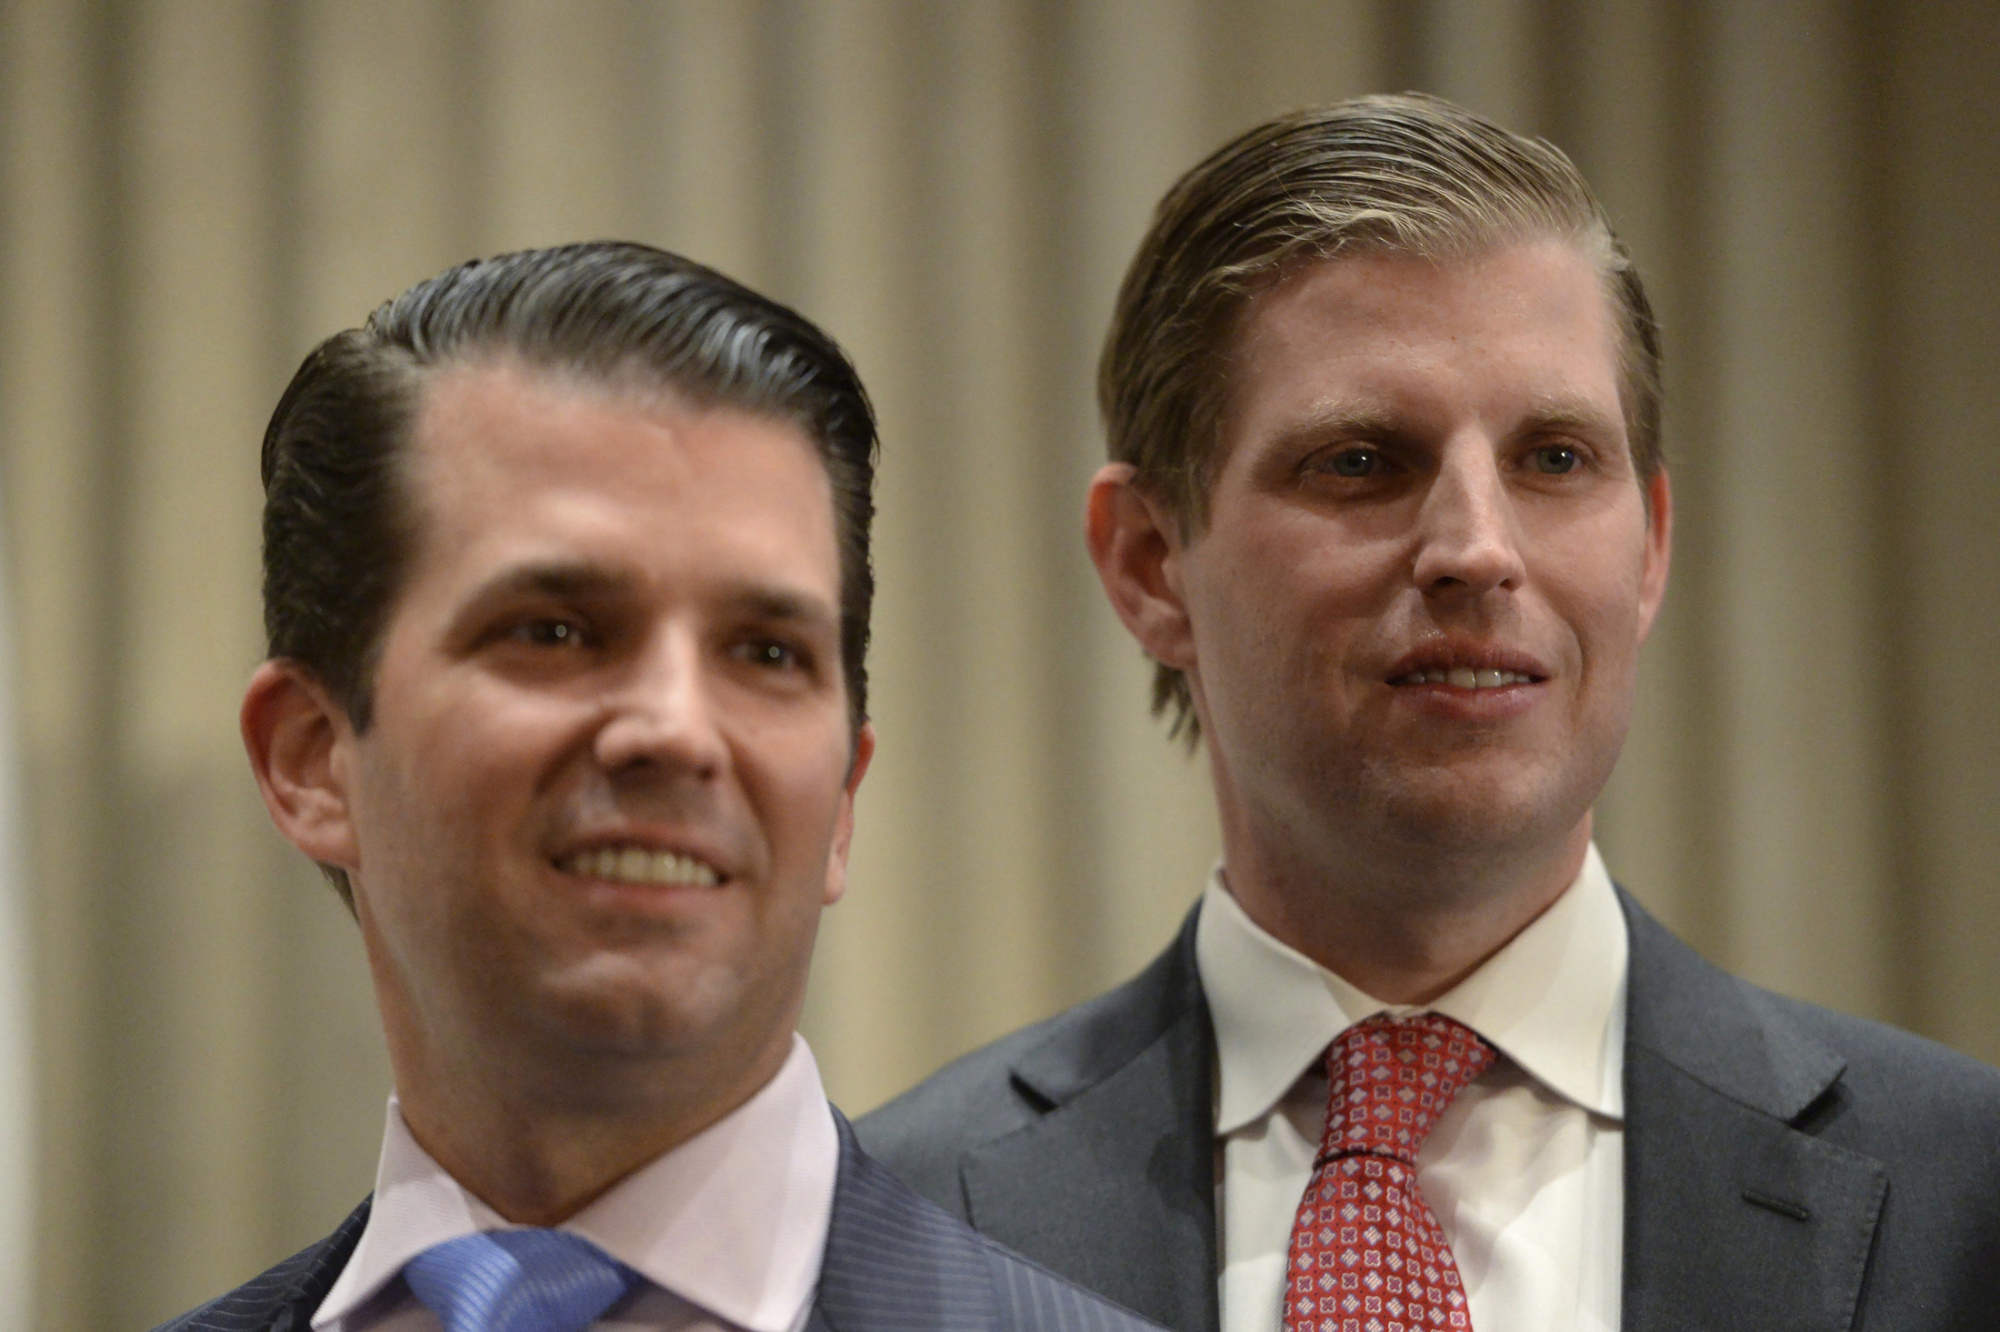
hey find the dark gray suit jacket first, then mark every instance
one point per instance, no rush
(894, 1263)
(1786, 1167)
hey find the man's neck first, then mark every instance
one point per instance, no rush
(538, 1154)
(1402, 928)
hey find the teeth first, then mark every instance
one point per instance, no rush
(1465, 677)
(636, 864)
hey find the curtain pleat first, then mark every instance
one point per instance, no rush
(191, 194)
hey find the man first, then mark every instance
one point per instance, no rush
(567, 589)
(1386, 505)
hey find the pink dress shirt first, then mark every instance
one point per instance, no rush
(728, 1229)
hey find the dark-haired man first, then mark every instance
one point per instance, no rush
(1386, 506)
(567, 589)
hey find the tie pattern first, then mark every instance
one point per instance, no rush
(517, 1281)
(1367, 1254)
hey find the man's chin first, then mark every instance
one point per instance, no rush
(624, 1008)
(1475, 809)
(654, 1006)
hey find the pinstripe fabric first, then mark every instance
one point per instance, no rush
(1086, 1143)
(894, 1263)
(282, 1299)
(898, 1263)
(1032, 1297)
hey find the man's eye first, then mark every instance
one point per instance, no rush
(765, 652)
(1555, 459)
(550, 633)
(1353, 463)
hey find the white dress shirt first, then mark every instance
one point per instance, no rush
(727, 1229)
(1525, 1170)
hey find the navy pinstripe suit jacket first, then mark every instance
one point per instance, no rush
(894, 1263)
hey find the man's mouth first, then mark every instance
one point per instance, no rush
(1464, 677)
(639, 864)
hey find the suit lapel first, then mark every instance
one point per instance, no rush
(319, 1272)
(895, 1263)
(1115, 1184)
(1736, 1216)
(285, 1298)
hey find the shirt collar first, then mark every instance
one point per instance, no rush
(733, 1220)
(1552, 1000)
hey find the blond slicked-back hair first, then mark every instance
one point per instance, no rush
(1406, 173)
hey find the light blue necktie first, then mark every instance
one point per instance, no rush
(517, 1281)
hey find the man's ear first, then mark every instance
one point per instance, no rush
(1659, 550)
(843, 825)
(1135, 543)
(301, 750)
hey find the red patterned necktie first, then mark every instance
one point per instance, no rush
(1367, 1254)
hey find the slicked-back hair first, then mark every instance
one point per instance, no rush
(340, 525)
(1406, 173)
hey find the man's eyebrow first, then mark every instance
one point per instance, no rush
(1564, 412)
(782, 605)
(1334, 419)
(582, 581)
(559, 578)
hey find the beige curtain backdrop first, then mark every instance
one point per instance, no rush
(192, 193)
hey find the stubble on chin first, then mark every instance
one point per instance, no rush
(1435, 814)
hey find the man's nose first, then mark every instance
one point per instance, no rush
(662, 713)
(1469, 540)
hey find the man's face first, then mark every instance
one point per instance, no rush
(1417, 607)
(606, 787)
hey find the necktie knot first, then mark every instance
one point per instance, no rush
(1367, 1251)
(1389, 1078)
(517, 1281)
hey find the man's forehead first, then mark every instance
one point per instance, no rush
(1391, 312)
(511, 465)
(488, 387)
(501, 411)
(1381, 285)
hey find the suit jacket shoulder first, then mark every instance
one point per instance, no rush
(1084, 1142)
(1013, 1082)
(284, 1298)
(896, 1262)
(1786, 1165)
